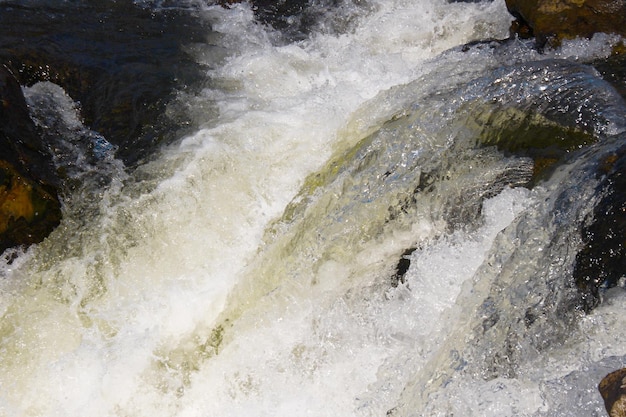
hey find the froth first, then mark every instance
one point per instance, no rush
(97, 328)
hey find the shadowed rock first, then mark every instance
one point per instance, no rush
(122, 62)
(28, 212)
(20, 142)
(29, 206)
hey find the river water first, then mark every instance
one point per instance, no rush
(250, 268)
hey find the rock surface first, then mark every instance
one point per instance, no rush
(613, 390)
(29, 205)
(122, 62)
(20, 143)
(551, 21)
(28, 212)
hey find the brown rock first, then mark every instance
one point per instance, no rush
(28, 212)
(613, 391)
(554, 20)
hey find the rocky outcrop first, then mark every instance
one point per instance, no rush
(551, 21)
(122, 62)
(613, 391)
(28, 211)
(19, 139)
(29, 205)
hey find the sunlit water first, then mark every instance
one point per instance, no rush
(247, 270)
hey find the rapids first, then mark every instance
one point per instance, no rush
(249, 268)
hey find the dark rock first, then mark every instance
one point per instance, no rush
(613, 70)
(29, 205)
(20, 142)
(602, 261)
(613, 391)
(402, 267)
(551, 21)
(28, 211)
(122, 62)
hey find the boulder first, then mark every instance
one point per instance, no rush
(124, 63)
(28, 212)
(29, 203)
(613, 391)
(20, 142)
(551, 21)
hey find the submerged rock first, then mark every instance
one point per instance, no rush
(613, 390)
(551, 21)
(602, 261)
(613, 70)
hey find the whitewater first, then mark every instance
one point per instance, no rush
(246, 269)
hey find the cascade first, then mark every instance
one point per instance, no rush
(378, 215)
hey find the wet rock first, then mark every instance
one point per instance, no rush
(402, 267)
(20, 142)
(551, 21)
(28, 212)
(613, 391)
(124, 63)
(613, 70)
(29, 205)
(602, 261)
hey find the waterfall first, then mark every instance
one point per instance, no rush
(253, 266)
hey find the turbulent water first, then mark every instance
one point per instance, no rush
(250, 268)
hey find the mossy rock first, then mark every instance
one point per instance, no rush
(531, 135)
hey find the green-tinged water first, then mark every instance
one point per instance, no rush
(366, 219)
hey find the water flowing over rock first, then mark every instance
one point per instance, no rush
(613, 70)
(555, 20)
(246, 269)
(122, 65)
(602, 261)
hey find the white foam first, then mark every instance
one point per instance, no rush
(88, 332)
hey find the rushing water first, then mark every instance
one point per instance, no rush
(250, 268)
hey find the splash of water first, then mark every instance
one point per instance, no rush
(246, 270)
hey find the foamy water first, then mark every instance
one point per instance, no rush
(155, 307)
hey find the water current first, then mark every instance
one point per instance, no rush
(251, 268)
